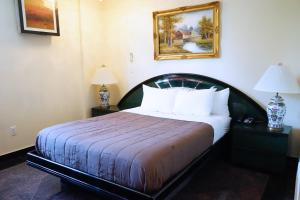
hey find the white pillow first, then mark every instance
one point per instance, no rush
(156, 99)
(196, 102)
(221, 103)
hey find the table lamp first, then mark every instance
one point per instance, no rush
(103, 77)
(277, 79)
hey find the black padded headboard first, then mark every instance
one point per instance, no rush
(239, 103)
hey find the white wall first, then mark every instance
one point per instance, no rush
(255, 34)
(92, 42)
(45, 80)
(40, 76)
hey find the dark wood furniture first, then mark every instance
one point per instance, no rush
(98, 111)
(239, 105)
(256, 147)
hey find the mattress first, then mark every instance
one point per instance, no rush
(219, 123)
(137, 151)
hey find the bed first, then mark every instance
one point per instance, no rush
(134, 154)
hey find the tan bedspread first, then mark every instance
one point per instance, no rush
(137, 151)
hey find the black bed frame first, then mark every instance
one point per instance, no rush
(239, 105)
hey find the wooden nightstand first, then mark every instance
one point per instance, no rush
(257, 147)
(98, 111)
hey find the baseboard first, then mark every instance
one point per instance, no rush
(14, 158)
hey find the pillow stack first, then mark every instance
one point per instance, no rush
(185, 101)
(195, 102)
(220, 106)
(158, 100)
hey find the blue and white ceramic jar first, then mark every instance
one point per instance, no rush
(276, 111)
(104, 97)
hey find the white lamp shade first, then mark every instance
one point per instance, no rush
(277, 78)
(103, 76)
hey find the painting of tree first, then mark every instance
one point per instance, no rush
(199, 33)
(206, 28)
(185, 32)
(167, 28)
(206, 31)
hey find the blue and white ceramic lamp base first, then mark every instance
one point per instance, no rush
(104, 97)
(276, 111)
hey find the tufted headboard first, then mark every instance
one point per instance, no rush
(239, 103)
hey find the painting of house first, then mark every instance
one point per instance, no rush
(178, 35)
(187, 32)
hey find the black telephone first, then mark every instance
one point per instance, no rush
(249, 121)
(246, 120)
(242, 117)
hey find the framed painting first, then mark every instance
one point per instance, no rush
(187, 32)
(39, 17)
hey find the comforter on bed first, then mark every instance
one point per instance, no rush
(136, 151)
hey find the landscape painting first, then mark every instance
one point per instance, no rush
(39, 16)
(187, 32)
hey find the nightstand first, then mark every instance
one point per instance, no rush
(98, 111)
(256, 147)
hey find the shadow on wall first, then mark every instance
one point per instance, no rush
(36, 40)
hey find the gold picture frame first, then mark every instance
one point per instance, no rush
(187, 32)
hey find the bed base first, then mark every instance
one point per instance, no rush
(115, 191)
(239, 104)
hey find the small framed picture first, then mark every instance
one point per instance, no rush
(187, 32)
(39, 17)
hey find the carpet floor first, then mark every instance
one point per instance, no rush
(217, 181)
